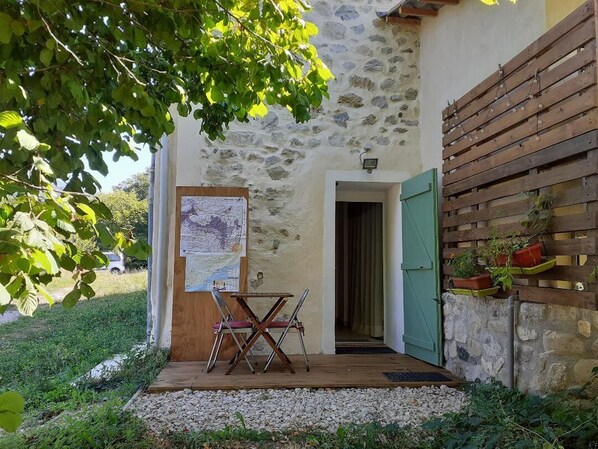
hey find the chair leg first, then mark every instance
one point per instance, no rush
(241, 350)
(214, 352)
(272, 354)
(304, 351)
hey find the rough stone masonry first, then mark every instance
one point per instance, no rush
(556, 347)
(373, 101)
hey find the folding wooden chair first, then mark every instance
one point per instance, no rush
(292, 325)
(228, 325)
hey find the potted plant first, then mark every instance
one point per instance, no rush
(466, 272)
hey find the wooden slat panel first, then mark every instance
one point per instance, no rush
(513, 131)
(579, 195)
(500, 106)
(559, 134)
(518, 159)
(568, 223)
(531, 128)
(547, 178)
(572, 298)
(538, 47)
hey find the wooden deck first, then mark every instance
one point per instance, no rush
(327, 371)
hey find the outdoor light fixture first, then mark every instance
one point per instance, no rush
(370, 163)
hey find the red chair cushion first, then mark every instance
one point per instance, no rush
(233, 325)
(279, 324)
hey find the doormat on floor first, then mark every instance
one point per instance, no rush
(364, 350)
(417, 377)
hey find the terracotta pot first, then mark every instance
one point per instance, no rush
(480, 282)
(528, 257)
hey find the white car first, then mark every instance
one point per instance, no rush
(117, 263)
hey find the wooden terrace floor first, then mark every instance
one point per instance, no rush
(327, 371)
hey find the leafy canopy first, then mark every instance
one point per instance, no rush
(81, 79)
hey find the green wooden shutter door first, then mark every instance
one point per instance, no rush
(421, 276)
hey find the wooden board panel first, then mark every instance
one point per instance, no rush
(512, 131)
(567, 130)
(569, 223)
(531, 87)
(516, 161)
(579, 194)
(327, 371)
(530, 127)
(538, 47)
(556, 175)
(194, 313)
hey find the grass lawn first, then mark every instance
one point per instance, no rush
(41, 356)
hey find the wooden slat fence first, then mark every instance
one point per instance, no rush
(531, 128)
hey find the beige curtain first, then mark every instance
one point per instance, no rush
(359, 270)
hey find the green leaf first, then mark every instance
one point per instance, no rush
(12, 405)
(27, 140)
(65, 226)
(17, 27)
(71, 298)
(4, 295)
(42, 291)
(105, 236)
(5, 29)
(46, 261)
(87, 212)
(88, 262)
(87, 291)
(89, 277)
(27, 303)
(45, 56)
(10, 119)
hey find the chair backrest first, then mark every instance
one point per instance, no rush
(295, 313)
(222, 306)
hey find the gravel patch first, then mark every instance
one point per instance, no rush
(297, 409)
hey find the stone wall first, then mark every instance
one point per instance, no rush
(373, 101)
(556, 347)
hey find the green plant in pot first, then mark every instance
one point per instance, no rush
(467, 272)
(498, 256)
(536, 222)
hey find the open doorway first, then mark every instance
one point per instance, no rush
(359, 277)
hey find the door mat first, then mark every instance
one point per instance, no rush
(417, 377)
(364, 350)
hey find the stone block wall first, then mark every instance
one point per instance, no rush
(556, 347)
(373, 101)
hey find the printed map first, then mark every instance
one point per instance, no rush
(206, 271)
(213, 224)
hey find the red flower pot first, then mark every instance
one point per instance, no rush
(528, 257)
(480, 282)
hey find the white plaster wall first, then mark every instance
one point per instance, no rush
(373, 101)
(393, 333)
(462, 47)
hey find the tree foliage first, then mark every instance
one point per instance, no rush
(81, 79)
(137, 184)
(129, 215)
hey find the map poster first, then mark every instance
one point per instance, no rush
(213, 225)
(203, 272)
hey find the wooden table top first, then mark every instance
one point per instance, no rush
(261, 295)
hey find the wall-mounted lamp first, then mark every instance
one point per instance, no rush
(370, 164)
